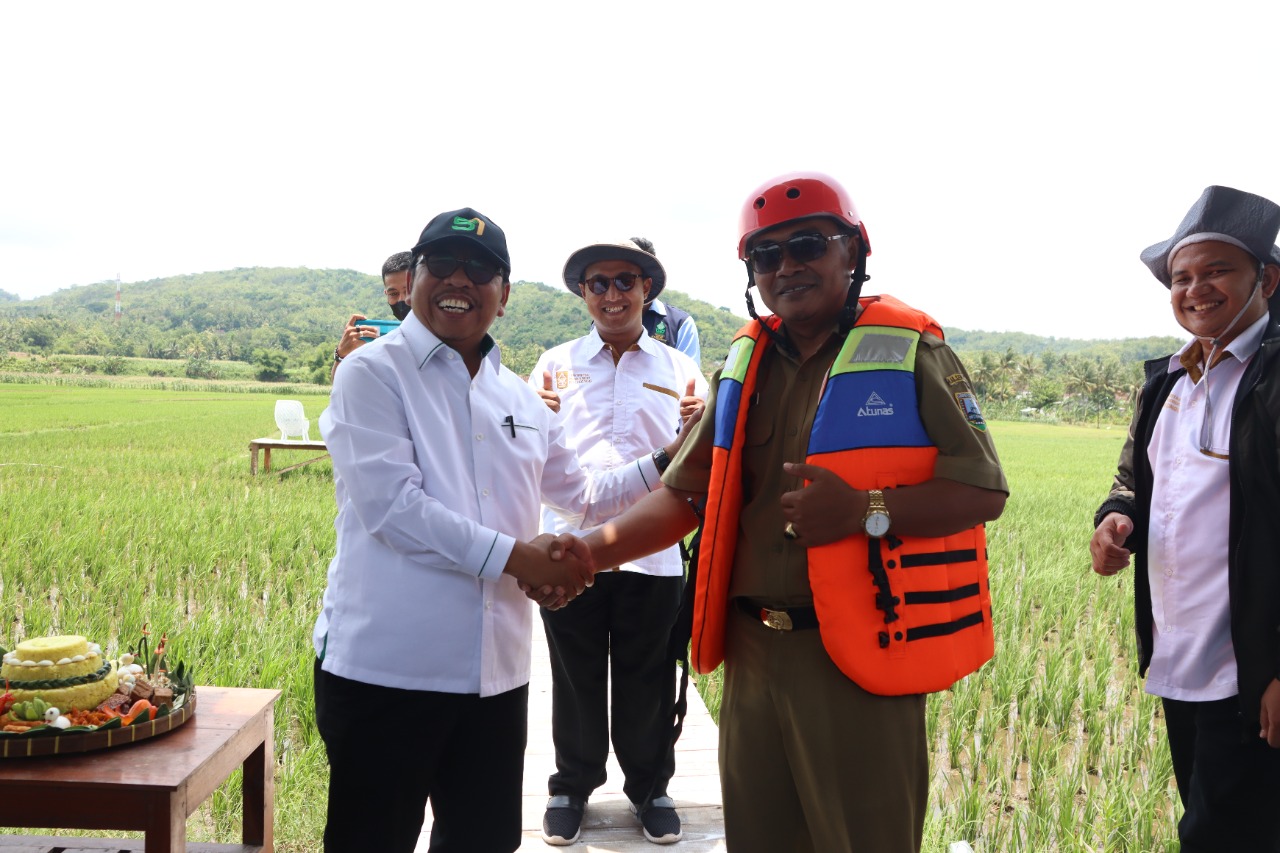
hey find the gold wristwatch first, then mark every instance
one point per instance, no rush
(876, 521)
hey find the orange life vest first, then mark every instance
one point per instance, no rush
(898, 615)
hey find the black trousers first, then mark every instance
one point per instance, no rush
(1228, 779)
(626, 617)
(390, 750)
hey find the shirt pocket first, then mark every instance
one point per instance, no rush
(756, 449)
(759, 429)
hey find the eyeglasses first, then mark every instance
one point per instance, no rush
(803, 248)
(443, 266)
(599, 284)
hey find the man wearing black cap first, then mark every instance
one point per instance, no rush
(442, 459)
(1195, 502)
(616, 391)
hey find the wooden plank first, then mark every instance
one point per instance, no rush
(289, 443)
(299, 464)
(608, 826)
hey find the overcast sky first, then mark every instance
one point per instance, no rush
(1010, 159)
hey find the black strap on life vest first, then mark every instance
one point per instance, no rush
(886, 601)
(939, 596)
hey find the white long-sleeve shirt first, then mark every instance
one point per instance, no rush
(612, 414)
(437, 474)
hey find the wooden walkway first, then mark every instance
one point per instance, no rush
(609, 826)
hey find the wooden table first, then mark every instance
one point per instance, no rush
(152, 786)
(266, 445)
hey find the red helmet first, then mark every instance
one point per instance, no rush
(797, 195)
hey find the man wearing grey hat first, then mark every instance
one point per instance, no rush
(1195, 503)
(442, 460)
(616, 391)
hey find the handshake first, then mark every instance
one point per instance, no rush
(552, 570)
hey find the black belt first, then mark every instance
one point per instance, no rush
(794, 619)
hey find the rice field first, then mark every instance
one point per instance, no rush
(123, 505)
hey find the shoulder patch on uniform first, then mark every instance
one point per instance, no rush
(956, 379)
(968, 404)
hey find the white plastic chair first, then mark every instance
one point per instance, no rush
(292, 420)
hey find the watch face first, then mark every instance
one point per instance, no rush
(876, 524)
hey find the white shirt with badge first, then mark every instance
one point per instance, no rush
(437, 475)
(1192, 656)
(612, 414)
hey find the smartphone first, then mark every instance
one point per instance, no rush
(383, 326)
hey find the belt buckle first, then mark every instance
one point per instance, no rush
(778, 620)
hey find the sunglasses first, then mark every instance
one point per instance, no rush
(443, 266)
(599, 284)
(803, 248)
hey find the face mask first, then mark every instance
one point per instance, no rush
(400, 309)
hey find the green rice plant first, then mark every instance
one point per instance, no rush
(127, 506)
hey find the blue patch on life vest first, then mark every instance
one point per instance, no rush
(868, 408)
(728, 397)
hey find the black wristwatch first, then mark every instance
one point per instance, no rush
(336, 358)
(661, 459)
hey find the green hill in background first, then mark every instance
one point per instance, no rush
(242, 314)
(283, 323)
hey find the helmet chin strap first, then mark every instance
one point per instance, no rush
(779, 340)
(859, 275)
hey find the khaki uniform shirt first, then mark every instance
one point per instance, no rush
(769, 568)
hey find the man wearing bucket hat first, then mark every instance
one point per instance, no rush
(847, 472)
(616, 391)
(442, 460)
(1195, 502)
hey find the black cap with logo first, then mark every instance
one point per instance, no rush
(466, 226)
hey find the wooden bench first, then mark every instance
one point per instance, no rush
(266, 445)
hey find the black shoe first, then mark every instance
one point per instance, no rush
(659, 819)
(562, 821)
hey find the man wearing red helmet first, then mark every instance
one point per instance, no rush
(847, 473)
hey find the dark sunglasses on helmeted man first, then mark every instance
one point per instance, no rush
(599, 284)
(443, 266)
(803, 248)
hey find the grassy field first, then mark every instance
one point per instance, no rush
(123, 505)
(1053, 746)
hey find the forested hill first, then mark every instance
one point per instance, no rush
(294, 317)
(239, 314)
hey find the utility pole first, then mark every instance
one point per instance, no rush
(119, 308)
